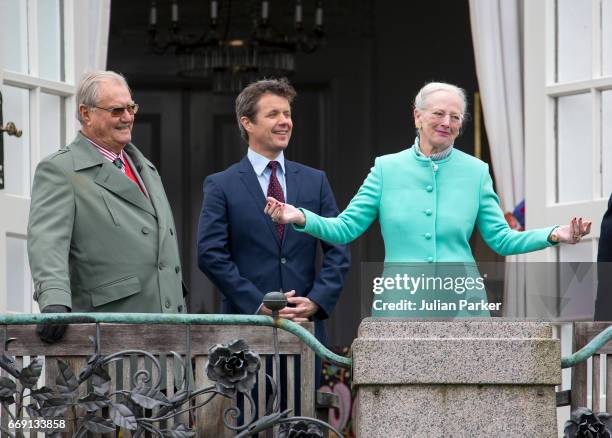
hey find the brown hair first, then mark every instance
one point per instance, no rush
(247, 100)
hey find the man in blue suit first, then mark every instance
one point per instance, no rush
(240, 249)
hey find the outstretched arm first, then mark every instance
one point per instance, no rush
(505, 241)
(350, 224)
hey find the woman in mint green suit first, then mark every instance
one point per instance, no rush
(428, 198)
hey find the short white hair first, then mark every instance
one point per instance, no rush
(87, 91)
(420, 101)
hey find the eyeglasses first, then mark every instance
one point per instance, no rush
(117, 111)
(439, 115)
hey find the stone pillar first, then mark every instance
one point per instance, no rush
(461, 378)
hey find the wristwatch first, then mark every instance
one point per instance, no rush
(553, 237)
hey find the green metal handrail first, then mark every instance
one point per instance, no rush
(257, 320)
(588, 350)
(182, 319)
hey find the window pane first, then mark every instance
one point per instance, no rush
(18, 283)
(16, 109)
(606, 143)
(574, 148)
(50, 124)
(50, 54)
(14, 41)
(574, 22)
(606, 37)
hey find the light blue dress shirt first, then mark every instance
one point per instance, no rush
(263, 172)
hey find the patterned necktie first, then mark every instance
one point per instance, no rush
(276, 191)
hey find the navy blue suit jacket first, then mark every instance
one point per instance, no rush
(239, 249)
(603, 304)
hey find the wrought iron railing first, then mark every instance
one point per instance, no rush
(144, 408)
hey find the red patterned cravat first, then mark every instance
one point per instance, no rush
(276, 191)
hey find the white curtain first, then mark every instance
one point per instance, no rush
(497, 38)
(92, 22)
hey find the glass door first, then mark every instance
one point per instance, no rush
(37, 86)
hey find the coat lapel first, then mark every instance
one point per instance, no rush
(151, 180)
(109, 177)
(293, 191)
(249, 178)
(291, 178)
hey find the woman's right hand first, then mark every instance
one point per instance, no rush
(282, 213)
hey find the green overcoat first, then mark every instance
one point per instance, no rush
(96, 242)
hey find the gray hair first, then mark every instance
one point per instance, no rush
(247, 100)
(420, 101)
(87, 91)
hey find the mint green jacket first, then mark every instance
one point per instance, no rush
(427, 210)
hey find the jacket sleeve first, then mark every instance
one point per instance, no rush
(495, 230)
(603, 304)
(355, 219)
(50, 233)
(604, 253)
(214, 257)
(335, 264)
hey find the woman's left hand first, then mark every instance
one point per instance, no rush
(573, 232)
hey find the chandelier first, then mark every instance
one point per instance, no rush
(232, 60)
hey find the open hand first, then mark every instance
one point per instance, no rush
(282, 213)
(573, 232)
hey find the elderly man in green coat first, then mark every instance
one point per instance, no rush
(101, 237)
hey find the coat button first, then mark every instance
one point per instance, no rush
(161, 266)
(180, 309)
(428, 212)
(429, 188)
(167, 304)
(171, 232)
(283, 260)
(430, 259)
(145, 230)
(177, 269)
(428, 236)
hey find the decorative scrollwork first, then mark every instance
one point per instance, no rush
(232, 368)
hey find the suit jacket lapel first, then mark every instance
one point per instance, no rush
(291, 178)
(86, 156)
(293, 191)
(249, 178)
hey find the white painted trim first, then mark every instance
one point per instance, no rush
(31, 82)
(35, 134)
(596, 145)
(539, 163)
(68, 25)
(596, 39)
(578, 87)
(32, 38)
